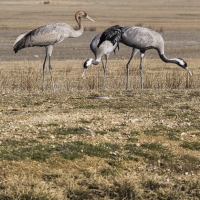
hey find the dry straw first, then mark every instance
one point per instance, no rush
(67, 74)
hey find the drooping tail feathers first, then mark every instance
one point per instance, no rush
(112, 34)
(20, 42)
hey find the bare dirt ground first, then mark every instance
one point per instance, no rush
(82, 142)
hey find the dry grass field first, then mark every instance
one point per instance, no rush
(82, 142)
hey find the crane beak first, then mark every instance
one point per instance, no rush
(89, 18)
(83, 74)
(189, 72)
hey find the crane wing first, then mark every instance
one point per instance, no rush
(42, 36)
(112, 34)
(46, 35)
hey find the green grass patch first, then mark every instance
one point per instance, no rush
(47, 125)
(191, 163)
(185, 107)
(69, 151)
(38, 103)
(154, 147)
(79, 149)
(114, 129)
(37, 152)
(156, 130)
(171, 133)
(85, 172)
(117, 163)
(163, 152)
(133, 152)
(31, 195)
(149, 151)
(17, 143)
(196, 126)
(69, 131)
(132, 139)
(109, 171)
(174, 134)
(171, 113)
(134, 133)
(191, 145)
(151, 185)
(101, 132)
(84, 121)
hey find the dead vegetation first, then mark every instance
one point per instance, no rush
(134, 145)
(15, 78)
(85, 143)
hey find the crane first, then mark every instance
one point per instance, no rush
(49, 35)
(142, 39)
(104, 50)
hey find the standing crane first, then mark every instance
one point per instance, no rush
(142, 39)
(49, 35)
(105, 49)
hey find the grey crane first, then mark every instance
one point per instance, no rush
(49, 35)
(142, 39)
(104, 50)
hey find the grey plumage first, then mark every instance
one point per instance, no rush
(104, 50)
(49, 35)
(140, 39)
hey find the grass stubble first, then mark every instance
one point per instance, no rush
(135, 144)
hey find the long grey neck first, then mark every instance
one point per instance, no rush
(167, 60)
(80, 31)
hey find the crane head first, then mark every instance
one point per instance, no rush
(86, 65)
(82, 14)
(183, 64)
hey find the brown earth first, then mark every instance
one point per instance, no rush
(82, 142)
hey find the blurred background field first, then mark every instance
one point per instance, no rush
(178, 22)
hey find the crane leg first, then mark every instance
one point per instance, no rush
(50, 49)
(104, 71)
(141, 72)
(50, 70)
(43, 75)
(134, 52)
